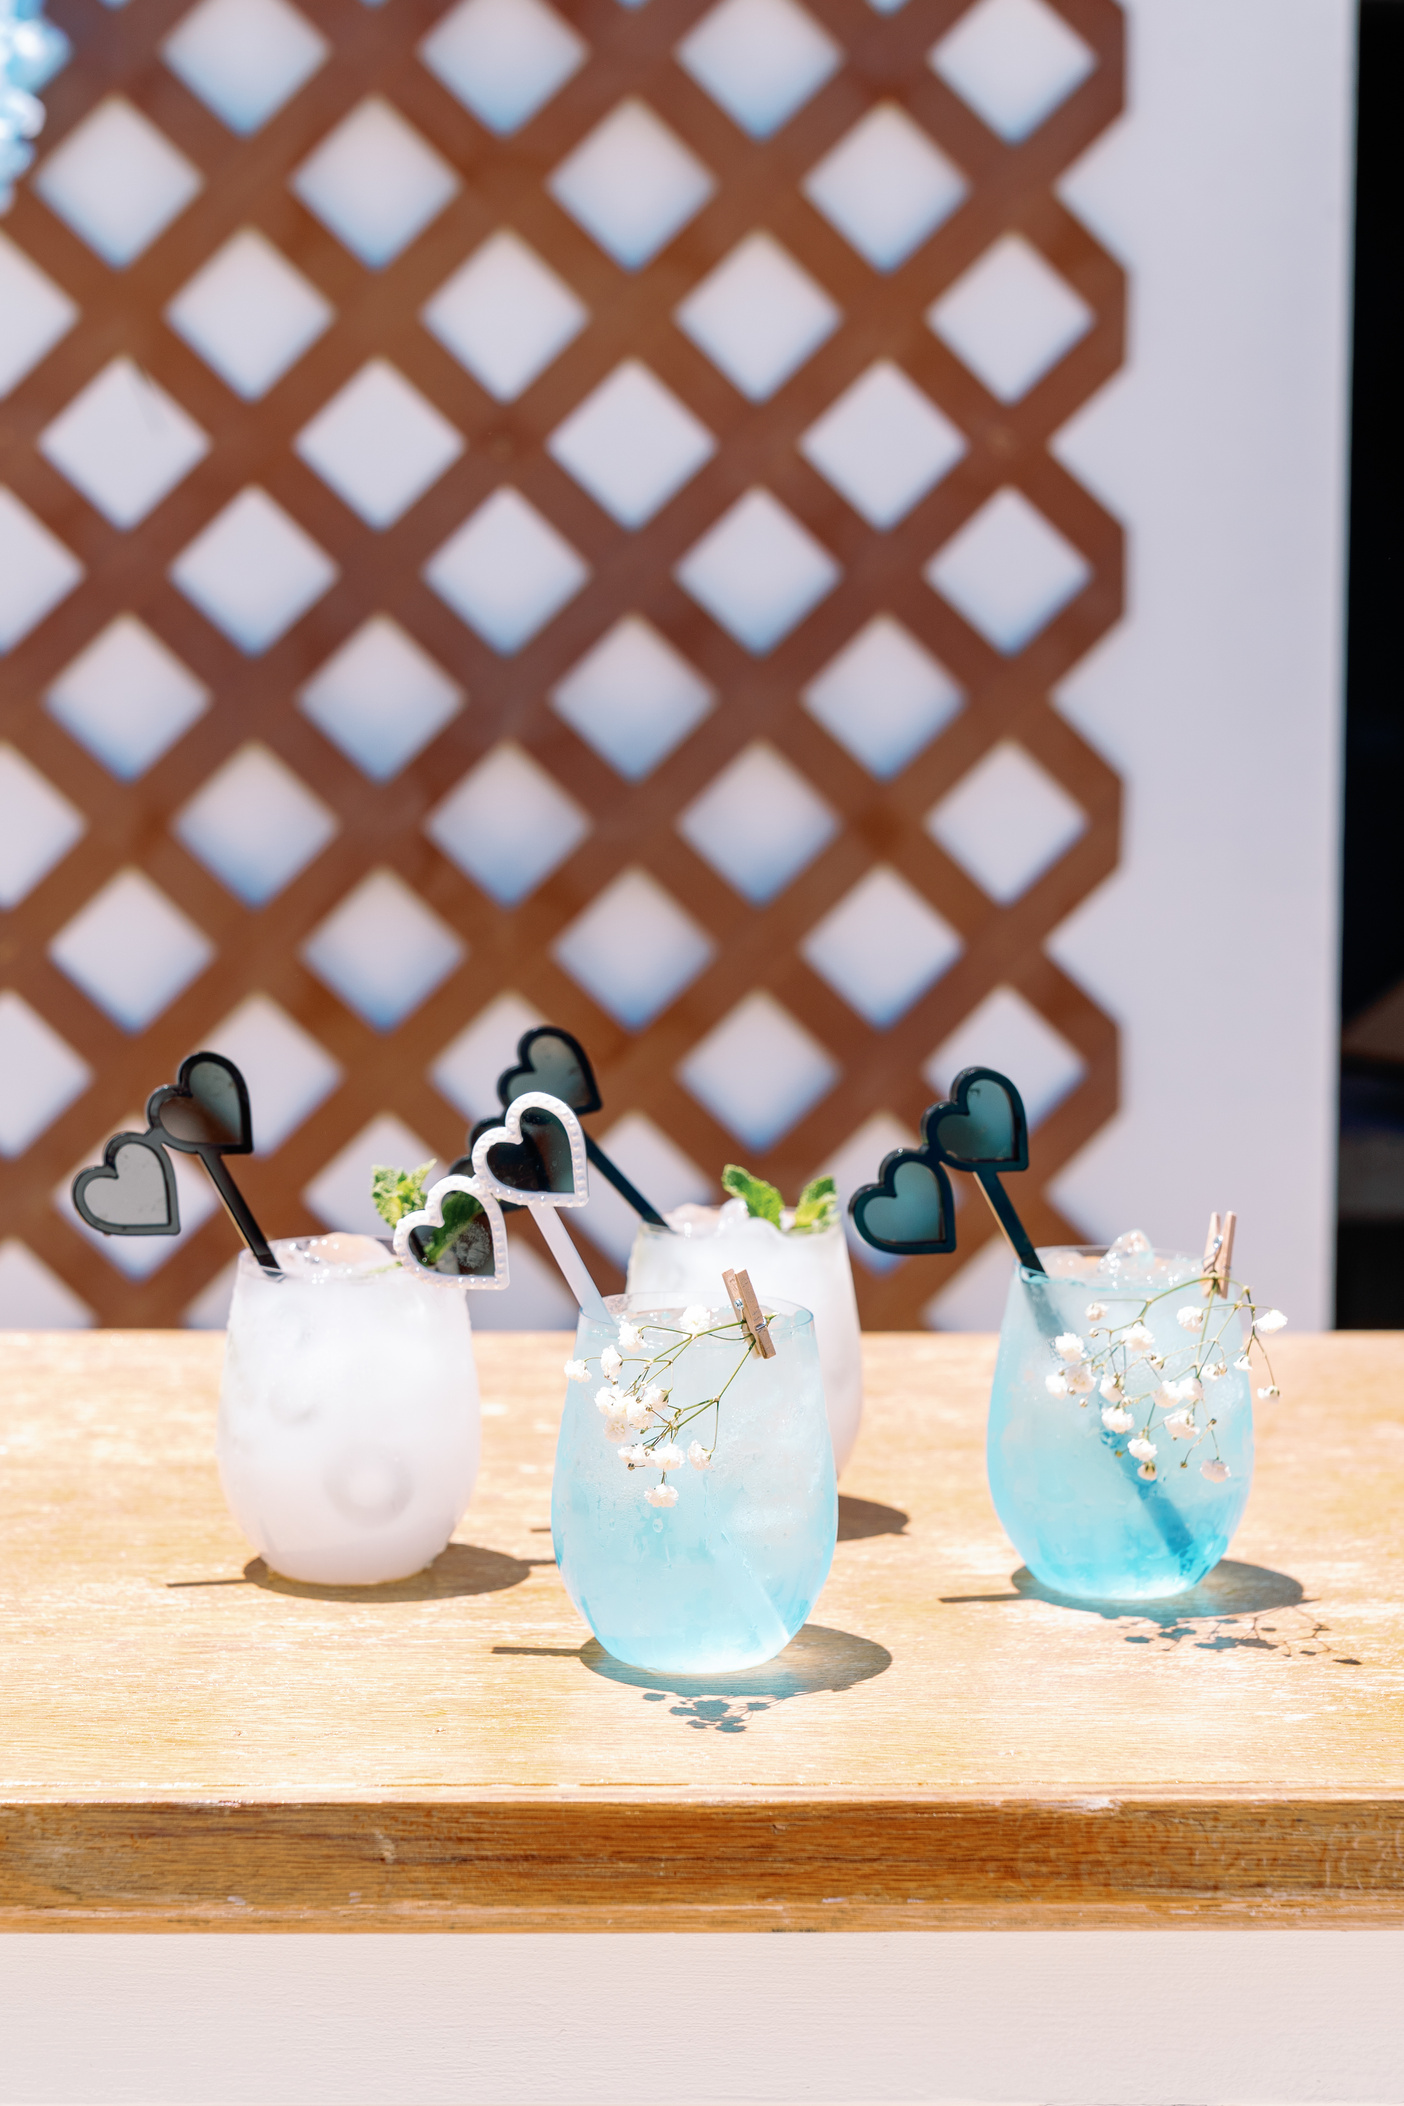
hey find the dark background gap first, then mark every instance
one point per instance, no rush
(1370, 1246)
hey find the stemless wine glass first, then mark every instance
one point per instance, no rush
(1090, 1517)
(348, 1415)
(808, 1266)
(724, 1570)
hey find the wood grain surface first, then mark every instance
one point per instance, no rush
(187, 1741)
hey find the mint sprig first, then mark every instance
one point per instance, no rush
(817, 1208)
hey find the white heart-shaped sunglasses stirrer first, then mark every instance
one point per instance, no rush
(545, 1205)
(431, 1216)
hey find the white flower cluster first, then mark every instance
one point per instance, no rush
(637, 1412)
(31, 52)
(1126, 1349)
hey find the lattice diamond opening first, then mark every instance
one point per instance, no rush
(253, 571)
(634, 949)
(289, 1073)
(245, 58)
(466, 1070)
(340, 1193)
(381, 698)
(1014, 62)
(881, 946)
(633, 698)
(508, 824)
(1007, 1033)
(383, 950)
(759, 1071)
(33, 1297)
(632, 444)
(127, 698)
(505, 315)
(375, 182)
(886, 186)
(117, 181)
(379, 443)
(632, 184)
(506, 572)
(883, 697)
(1009, 571)
(255, 824)
(131, 950)
(1010, 317)
(503, 59)
(762, 60)
(36, 570)
(249, 314)
(657, 1166)
(35, 314)
(883, 444)
(38, 826)
(43, 1074)
(759, 822)
(124, 442)
(1007, 821)
(758, 571)
(759, 316)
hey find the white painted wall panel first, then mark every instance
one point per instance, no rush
(1226, 190)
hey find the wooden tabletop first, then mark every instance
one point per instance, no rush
(187, 1741)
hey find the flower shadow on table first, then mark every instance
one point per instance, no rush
(463, 1568)
(1227, 1612)
(816, 1659)
(866, 1517)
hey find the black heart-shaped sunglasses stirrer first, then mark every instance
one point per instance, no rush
(552, 1060)
(981, 1129)
(205, 1112)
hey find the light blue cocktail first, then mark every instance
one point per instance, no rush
(724, 1574)
(1090, 1512)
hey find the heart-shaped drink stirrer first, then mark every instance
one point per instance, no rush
(205, 1112)
(981, 1128)
(459, 1231)
(536, 1159)
(551, 1060)
(909, 1210)
(132, 1191)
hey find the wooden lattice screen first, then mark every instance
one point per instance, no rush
(1020, 585)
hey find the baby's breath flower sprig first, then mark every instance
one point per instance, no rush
(637, 1410)
(1120, 1364)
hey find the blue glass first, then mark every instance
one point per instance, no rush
(724, 1578)
(1072, 1497)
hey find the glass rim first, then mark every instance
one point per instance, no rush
(655, 1230)
(249, 1267)
(634, 1305)
(1099, 1250)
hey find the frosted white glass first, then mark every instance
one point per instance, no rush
(348, 1417)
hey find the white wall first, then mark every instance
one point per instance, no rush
(1226, 190)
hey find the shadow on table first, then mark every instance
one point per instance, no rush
(865, 1517)
(1225, 1613)
(816, 1659)
(463, 1568)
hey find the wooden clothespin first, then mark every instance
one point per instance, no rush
(1218, 1254)
(742, 1296)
